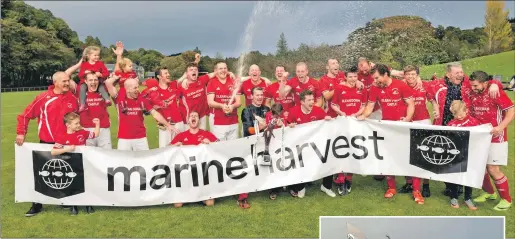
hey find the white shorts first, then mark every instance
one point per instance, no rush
(225, 132)
(376, 115)
(211, 119)
(202, 124)
(498, 154)
(102, 141)
(426, 121)
(165, 136)
(133, 144)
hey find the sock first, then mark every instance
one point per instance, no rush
(503, 189)
(409, 180)
(487, 185)
(243, 196)
(348, 177)
(416, 184)
(340, 178)
(391, 182)
(426, 181)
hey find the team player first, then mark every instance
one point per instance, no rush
(500, 113)
(132, 134)
(307, 112)
(194, 136)
(74, 136)
(348, 100)
(254, 80)
(96, 108)
(220, 90)
(300, 83)
(91, 63)
(396, 100)
(272, 91)
(461, 119)
(420, 95)
(168, 93)
(192, 91)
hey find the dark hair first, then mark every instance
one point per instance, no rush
(159, 69)
(353, 69)
(304, 93)
(256, 88)
(480, 76)
(277, 109)
(381, 68)
(191, 64)
(218, 62)
(409, 68)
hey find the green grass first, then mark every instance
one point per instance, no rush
(285, 217)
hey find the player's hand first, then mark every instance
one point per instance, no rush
(20, 139)
(493, 91)
(98, 74)
(178, 144)
(233, 76)
(418, 84)
(436, 113)
(261, 124)
(70, 147)
(119, 49)
(285, 75)
(292, 125)
(197, 58)
(171, 128)
(341, 113)
(96, 121)
(404, 119)
(361, 117)
(496, 131)
(327, 118)
(280, 123)
(267, 81)
(206, 141)
(360, 85)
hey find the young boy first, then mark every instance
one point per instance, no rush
(74, 136)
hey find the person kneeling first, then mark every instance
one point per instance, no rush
(194, 136)
(74, 136)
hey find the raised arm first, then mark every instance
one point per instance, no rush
(119, 53)
(109, 83)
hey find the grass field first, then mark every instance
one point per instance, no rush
(284, 217)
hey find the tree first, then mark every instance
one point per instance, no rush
(497, 28)
(282, 46)
(439, 32)
(219, 56)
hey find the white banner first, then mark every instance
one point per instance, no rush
(94, 176)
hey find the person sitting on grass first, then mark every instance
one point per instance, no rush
(75, 135)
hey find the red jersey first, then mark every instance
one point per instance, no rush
(420, 97)
(298, 87)
(50, 109)
(124, 76)
(350, 100)
(246, 89)
(96, 109)
(77, 138)
(187, 138)
(131, 124)
(391, 99)
(195, 98)
(269, 116)
(223, 93)
(366, 79)
(465, 122)
(329, 84)
(98, 66)
(272, 92)
(297, 116)
(171, 95)
(488, 110)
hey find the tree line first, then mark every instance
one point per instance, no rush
(35, 44)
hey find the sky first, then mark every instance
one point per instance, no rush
(220, 27)
(422, 228)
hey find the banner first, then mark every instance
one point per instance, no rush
(94, 176)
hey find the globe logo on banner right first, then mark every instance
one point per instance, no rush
(438, 149)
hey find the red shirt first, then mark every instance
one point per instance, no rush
(297, 116)
(391, 99)
(50, 109)
(366, 79)
(328, 84)
(246, 89)
(171, 113)
(465, 122)
(96, 109)
(195, 98)
(98, 66)
(420, 97)
(298, 87)
(488, 110)
(223, 93)
(349, 99)
(269, 116)
(272, 92)
(187, 138)
(124, 76)
(77, 138)
(131, 124)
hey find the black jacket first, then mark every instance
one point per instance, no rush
(247, 117)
